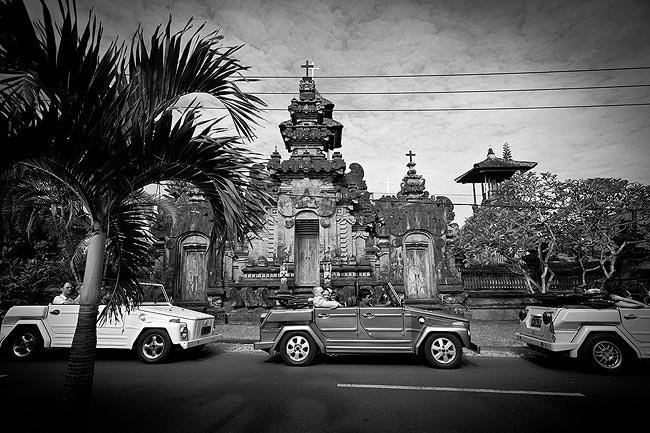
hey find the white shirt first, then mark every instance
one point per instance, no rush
(320, 301)
(63, 299)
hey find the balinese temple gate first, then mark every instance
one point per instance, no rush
(326, 230)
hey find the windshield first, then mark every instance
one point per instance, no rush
(154, 293)
(389, 291)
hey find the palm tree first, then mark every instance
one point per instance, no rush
(105, 122)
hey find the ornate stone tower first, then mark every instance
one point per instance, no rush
(315, 235)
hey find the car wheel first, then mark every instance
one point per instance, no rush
(25, 343)
(298, 349)
(605, 353)
(443, 351)
(153, 346)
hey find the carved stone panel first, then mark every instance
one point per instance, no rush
(306, 194)
(419, 268)
(307, 260)
(193, 279)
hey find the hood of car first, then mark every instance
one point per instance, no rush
(437, 315)
(174, 311)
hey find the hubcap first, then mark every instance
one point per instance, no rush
(443, 350)
(607, 355)
(297, 348)
(24, 345)
(153, 346)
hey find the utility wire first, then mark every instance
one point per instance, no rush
(507, 206)
(459, 74)
(449, 92)
(424, 110)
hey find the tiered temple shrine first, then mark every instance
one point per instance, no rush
(326, 230)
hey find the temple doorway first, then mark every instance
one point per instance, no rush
(193, 258)
(306, 256)
(419, 281)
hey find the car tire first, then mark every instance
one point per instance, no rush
(443, 351)
(605, 353)
(24, 343)
(298, 349)
(153, 346)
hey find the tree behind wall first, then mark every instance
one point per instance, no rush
(520, 220)
(537, 219)
(607, 217)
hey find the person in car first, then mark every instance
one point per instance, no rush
(319, 299)
(365, 295)
(67, 295)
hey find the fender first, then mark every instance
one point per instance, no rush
(45, 335)
(289, 328)
(431, 329)
(586, 330)
(173, 331)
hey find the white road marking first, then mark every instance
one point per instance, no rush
(441, 388)
(4, 375)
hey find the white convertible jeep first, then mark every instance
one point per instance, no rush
(152, 329)
(604, 332)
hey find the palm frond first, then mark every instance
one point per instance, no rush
(129, 251)
(172, 67)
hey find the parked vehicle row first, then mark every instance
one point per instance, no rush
(606, 332)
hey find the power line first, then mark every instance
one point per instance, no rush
(449, 92)
(485, 205)
(425, 110)
(458, 74)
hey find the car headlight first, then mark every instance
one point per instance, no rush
(523, 314)
(184, 331)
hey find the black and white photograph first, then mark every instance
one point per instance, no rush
(324, 215)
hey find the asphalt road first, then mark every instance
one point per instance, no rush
(223, 391)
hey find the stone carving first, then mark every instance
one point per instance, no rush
(399, 216)
(306, 194)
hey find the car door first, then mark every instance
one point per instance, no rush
(637, 322)
(385, 324)
(62, 323)
(112, 333)
(337, 324)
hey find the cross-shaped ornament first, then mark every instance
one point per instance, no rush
(410, 155)
(307, 67)
(387, 183)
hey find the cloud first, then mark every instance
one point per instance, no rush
(367, 37)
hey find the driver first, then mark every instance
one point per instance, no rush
(67, 295)
(365, 295)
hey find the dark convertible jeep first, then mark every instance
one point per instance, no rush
(298, 331)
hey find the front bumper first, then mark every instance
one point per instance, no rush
(474, 348)
(546, 345)
(199, 341)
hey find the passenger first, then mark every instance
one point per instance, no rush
(320, 301)
(66, 296)
(365, 295)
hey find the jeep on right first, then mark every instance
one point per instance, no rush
(606, 332)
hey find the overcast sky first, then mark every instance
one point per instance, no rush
(393, 37)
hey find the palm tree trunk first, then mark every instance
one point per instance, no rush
(78, 383)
